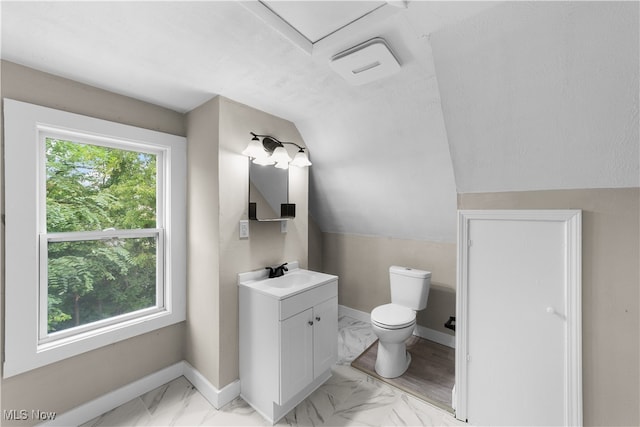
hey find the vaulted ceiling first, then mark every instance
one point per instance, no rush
(489, 97)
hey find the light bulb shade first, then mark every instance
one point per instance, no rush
(300, 160)
(255, 150)
(264, 161)
(280, 155)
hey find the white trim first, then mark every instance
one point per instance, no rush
(362, 316)
(435, 336)
(66, 337)
(98, 406)
(326, 45)
(75, 236)
(280, 25)
(420, 331)
(572, 218)
(111, 400)
(460, 369)
(217, 398)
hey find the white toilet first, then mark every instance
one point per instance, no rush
(394, 323)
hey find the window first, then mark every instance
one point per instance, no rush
(103, 240)
(95, 233)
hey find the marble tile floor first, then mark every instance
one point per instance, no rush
(348, 398)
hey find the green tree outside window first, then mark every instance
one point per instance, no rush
(93, 188)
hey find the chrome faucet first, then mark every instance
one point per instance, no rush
(277, 271)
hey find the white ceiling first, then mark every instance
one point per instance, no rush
(381, 151)
(318, 19)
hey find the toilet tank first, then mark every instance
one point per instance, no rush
(409, 287)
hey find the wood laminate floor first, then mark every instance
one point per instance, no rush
(430, 376)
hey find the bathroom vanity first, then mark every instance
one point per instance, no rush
(288, 337)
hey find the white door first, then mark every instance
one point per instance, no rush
(325, 335)
(519, 322)
(296, 357)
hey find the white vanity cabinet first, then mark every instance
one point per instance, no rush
(288, 339)
(309, 343)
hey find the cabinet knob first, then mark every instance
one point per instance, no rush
(310, 322)
(317, 318)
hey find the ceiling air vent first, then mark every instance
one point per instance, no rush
(367, 62)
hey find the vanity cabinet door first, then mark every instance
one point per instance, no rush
(296, 354)
(325, 339)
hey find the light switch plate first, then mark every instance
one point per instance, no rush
(283, 226)
(244, 228)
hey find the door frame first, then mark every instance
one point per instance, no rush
(573, 306)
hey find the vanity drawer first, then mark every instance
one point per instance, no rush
(302, 301)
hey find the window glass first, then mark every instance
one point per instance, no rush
(97, 276)
(97, 279)
(91, 187)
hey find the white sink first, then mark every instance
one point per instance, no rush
(294, 278)
(294, 281)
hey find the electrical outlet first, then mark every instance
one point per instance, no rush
(244, 228)
(283, 226)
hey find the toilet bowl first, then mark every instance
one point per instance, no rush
(394, 323)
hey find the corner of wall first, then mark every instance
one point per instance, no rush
(203, 301)
(315, 246)
(218, 184)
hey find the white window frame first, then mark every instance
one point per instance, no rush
(27, 344)
(44, 337)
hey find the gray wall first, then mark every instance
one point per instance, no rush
(203, 299)
(315, 245)
(362, 263)
(218, 199)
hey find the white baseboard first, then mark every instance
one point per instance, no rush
(362, 316)
(435, 336)
(218, 398)
(421, 331)
(96, 407)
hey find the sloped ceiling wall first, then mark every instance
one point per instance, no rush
(381, 161)
(524, 95)
(542, 95)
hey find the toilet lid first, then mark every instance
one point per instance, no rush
(393, 316)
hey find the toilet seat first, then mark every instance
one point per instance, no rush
(393, 316)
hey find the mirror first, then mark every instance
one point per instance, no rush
(269, 193)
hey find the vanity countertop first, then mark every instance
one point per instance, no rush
(295, 281)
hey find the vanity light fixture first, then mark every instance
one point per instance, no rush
(272, 152)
